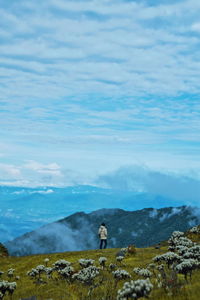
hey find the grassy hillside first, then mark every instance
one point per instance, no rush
(104, 286)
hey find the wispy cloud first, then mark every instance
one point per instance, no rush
(94, 85)
(107, 47)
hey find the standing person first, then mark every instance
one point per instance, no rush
(103, 235)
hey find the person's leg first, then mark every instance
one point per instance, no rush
(101, 244)
(105, 244)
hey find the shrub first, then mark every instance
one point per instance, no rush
(49, 271)
(121, 274)
(87, 275)
(7, 287)
(168, 257)
(61, 264)
(10, 272)
(66, 272)
(195, 229)
(131, 249)
(46, 260)
(33, 273)
(119, 258)
(102, 261)
(84, 263)
(143, 272)
(135, 289)
(187, 266)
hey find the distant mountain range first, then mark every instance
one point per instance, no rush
(79, 231)
(25, 209)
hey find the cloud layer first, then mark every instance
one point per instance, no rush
(145, 180)
(90, 86)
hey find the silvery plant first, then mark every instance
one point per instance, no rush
(178, 239)
(184, 241)
(195, 229)
(181, 250)
(143, 272)
(87, 275)
(193, 252)
(173, 240)
(168, 257)
(84, 263)
(7, 287)
(10, 272)
(49, 271)
(176, 234)
(41, 268)
(123, 252)
(119, 258)
(135, 289)
(33, 273)
(187, 266)
(66, 272)
(121, 274)
(61, 264)
(36, 272)
(46, 260)
(102, 261)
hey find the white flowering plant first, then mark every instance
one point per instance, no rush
(7, 288)
(121, 274)
(135, 289)
(87, 275)
(84, 263)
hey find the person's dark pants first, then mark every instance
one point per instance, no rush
(103, 244)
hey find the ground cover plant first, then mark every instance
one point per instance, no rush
(171, 271)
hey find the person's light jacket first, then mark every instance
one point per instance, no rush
(102, 232)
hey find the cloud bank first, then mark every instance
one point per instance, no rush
(143, 179)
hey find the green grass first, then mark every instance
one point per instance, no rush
(57, 289)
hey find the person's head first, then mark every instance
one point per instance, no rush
(103, 224)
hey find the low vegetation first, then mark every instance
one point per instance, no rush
(171, 271)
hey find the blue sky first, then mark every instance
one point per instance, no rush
(90, 87)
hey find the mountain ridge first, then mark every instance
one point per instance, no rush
(26, 209)
(78, 231)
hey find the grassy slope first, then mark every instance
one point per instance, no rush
(56, 289)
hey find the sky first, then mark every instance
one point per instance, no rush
(92, 87)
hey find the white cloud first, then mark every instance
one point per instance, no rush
(153, 213)
(78, 52)
(48, 169)
(153, 182)
(11, 171)
(174, 211)
(48, 191)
